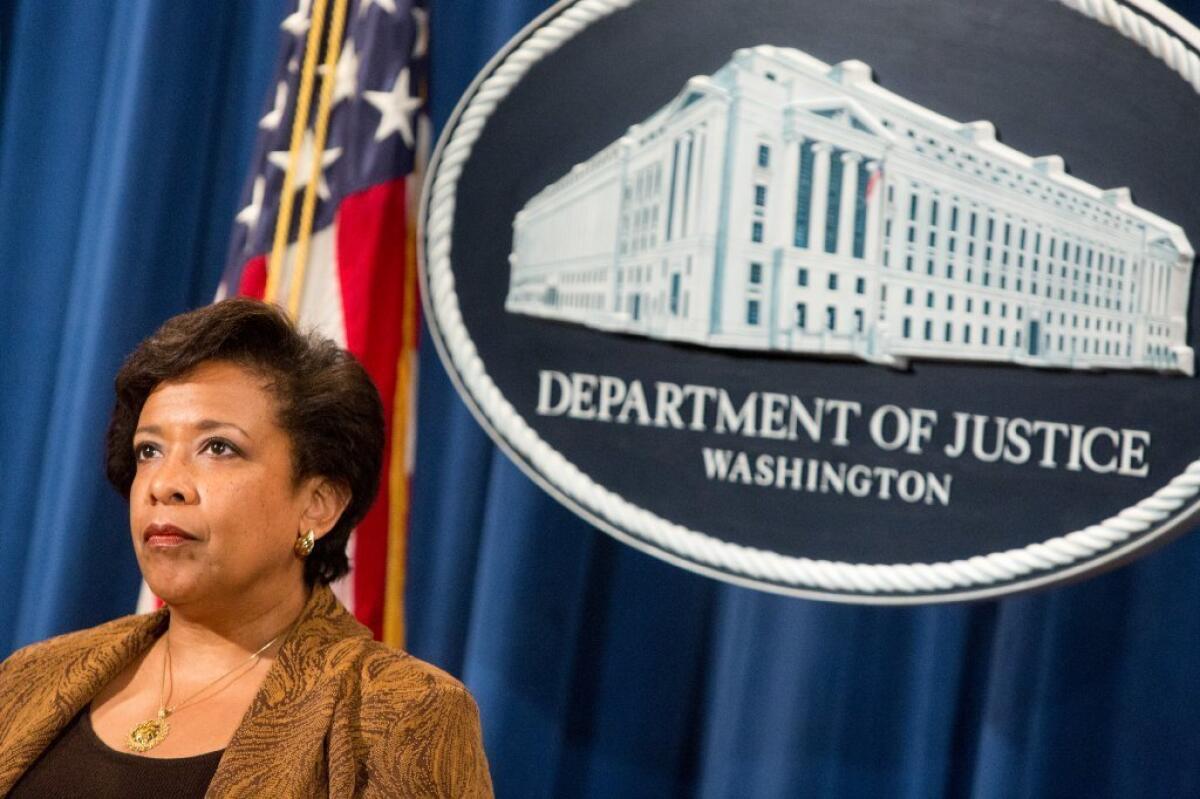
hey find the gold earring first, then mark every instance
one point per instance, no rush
(304, 545)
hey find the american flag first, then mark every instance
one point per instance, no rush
(342, 177)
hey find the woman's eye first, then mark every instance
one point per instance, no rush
(218, 447)
(143, 451)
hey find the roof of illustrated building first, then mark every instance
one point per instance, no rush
(855, 78)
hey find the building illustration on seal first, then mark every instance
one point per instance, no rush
(784, 204)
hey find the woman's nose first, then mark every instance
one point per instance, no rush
(172, 484)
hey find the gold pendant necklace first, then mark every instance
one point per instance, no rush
(150, 733)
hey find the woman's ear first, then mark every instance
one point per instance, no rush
(327, 499)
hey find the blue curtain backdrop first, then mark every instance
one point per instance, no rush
(125, 129)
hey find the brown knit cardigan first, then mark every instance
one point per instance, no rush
(338, 714)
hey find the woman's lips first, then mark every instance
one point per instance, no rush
(166, 535)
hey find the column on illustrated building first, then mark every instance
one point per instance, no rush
(891, 202)
(818, 212)
(846, 213)
(895, 274)
(616, 283)
(674, 176)
(845, 234)
(820, 196)
(697, 238)
(1150, 307)
(1181, 273)
(674, 155)
(914, 266)
(941, 203)
(872, 252)
(782, 198)
(707, 198)
(1039, 275)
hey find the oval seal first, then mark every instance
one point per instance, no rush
(883, 301)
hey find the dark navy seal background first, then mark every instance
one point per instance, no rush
(1118, 115)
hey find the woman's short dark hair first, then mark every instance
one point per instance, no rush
(327, 404)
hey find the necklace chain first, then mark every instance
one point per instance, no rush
(150, 733)
(163, 698)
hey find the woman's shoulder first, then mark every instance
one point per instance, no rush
(349, 650)
(386, 672)
(421, 725)
(88, 640)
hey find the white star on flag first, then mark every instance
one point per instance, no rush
(421, 42)
(297, 22)
(304, 164)
(249, 215)
(345, 74)
(271, 119)
(396, 108)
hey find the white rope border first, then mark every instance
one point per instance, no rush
(1158, 40)
(699, 548)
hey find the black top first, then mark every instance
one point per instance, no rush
(79, 764)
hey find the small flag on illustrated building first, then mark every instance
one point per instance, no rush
(327, 229)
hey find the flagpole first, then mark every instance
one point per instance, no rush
(283, 222)
(332, 51)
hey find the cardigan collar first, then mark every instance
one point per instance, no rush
(110, 648)
(288, 698)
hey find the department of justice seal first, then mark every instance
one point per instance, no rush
(884, 302)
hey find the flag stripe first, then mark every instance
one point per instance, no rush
(254, 278)
(372, 246)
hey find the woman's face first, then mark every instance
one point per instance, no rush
(213, 509)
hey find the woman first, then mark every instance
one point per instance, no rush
(247, 452)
